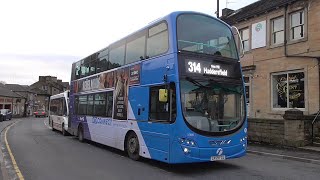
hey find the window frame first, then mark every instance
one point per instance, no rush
(248, 40)
(304, 30)
(275, 32)
(288, 101)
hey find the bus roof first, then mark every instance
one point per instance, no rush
(63, 94)
(170, 17)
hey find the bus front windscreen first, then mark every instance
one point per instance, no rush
(212, 107)
(204, 34)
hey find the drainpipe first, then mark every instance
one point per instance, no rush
(218, 9)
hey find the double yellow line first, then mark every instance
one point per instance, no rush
(14, 163)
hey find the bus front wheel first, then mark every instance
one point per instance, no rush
(132, 146)
(52, 128)
(64, 132)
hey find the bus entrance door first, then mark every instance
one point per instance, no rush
(155, 132)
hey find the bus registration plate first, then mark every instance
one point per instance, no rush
(218, 158)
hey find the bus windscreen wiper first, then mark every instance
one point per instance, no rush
(194, 82)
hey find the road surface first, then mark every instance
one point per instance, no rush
(43, 154)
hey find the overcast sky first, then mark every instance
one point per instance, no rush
(44, 37)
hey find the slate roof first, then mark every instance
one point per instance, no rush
(254, 9)
(17, 87)
(39, 91)
(8, 93)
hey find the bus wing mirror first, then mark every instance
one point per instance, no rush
(236, 33)
(163, 95)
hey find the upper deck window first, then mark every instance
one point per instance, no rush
(203, 34)
(135, 49)
(116, 55)
(158, 40)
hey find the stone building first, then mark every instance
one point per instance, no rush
(12, 101)
(25, 93)
(44, 88)
(281, 60)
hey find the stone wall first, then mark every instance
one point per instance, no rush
(295, 133)
(266, 130)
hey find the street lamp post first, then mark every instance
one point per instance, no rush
(217, 8)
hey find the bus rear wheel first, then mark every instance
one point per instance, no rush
(80, 134)
(133, 147)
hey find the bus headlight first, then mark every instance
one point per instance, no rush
(242, 140)
(186, 150)
(187, 142)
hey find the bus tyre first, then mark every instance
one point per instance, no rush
(52, 125)
(64, 132)
(133, 147)
(80, 134)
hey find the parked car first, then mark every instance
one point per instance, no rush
(6, 114)
(40, 113)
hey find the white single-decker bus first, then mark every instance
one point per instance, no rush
(59, 112)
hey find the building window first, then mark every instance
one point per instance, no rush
(244, 33)
(277, 30)
(297, 25)
(288, 90)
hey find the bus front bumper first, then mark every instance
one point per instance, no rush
(187, 154)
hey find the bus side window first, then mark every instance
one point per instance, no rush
(109, 102)
(162, 111)
(158, 40)
(76, 104)
(93, 65)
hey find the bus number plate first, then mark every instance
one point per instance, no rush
(218, 158)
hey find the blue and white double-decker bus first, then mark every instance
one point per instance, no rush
(172, 91)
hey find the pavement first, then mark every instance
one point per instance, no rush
(43, 154)
(3, 125)
(309, 155)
